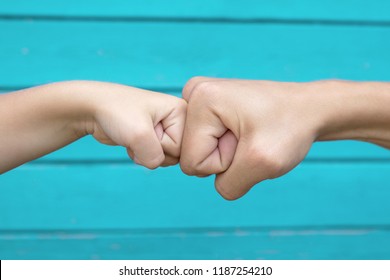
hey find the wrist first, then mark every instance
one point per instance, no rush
(76, 105)
(351, 110)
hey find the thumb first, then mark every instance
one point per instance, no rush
(208, 146)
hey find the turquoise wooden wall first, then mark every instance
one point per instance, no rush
(88, 201)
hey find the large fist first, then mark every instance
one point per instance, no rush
(245, 131)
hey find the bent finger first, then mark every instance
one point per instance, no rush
(243, 173)
(203, 153)
(145, 147)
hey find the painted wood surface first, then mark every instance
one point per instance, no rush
(342, 10)
(89, 201)
(200, 244)
(112, 196)
(122, 211)
(165, 55)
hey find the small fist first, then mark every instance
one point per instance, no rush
(149, 124)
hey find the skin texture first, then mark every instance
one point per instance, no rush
(39, 120)
(249, 131)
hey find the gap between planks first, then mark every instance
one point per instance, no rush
(197, 20)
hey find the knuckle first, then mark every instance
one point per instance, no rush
(139, 134)
(174, 149)
(192, 168)
(193, 82)
(187, 168)
(171, 162)
(221, 189)
(204, 89)
(181, 105)
(268, 160)
(153, 164)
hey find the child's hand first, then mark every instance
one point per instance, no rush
(149, 124)
(37, 121)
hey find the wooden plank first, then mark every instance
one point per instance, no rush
(208, 244)
(166, 55)
(226, 9)
(125, 196)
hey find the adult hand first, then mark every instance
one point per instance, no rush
(249, 131)
(244, 131)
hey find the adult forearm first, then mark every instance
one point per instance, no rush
(39, 120)
(353, 110)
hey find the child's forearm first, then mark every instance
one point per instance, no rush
(37, 121)
(40, 120)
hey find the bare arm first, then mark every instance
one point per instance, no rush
(354, 110)
(37, 121)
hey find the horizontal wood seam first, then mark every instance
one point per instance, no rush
(208, 20)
